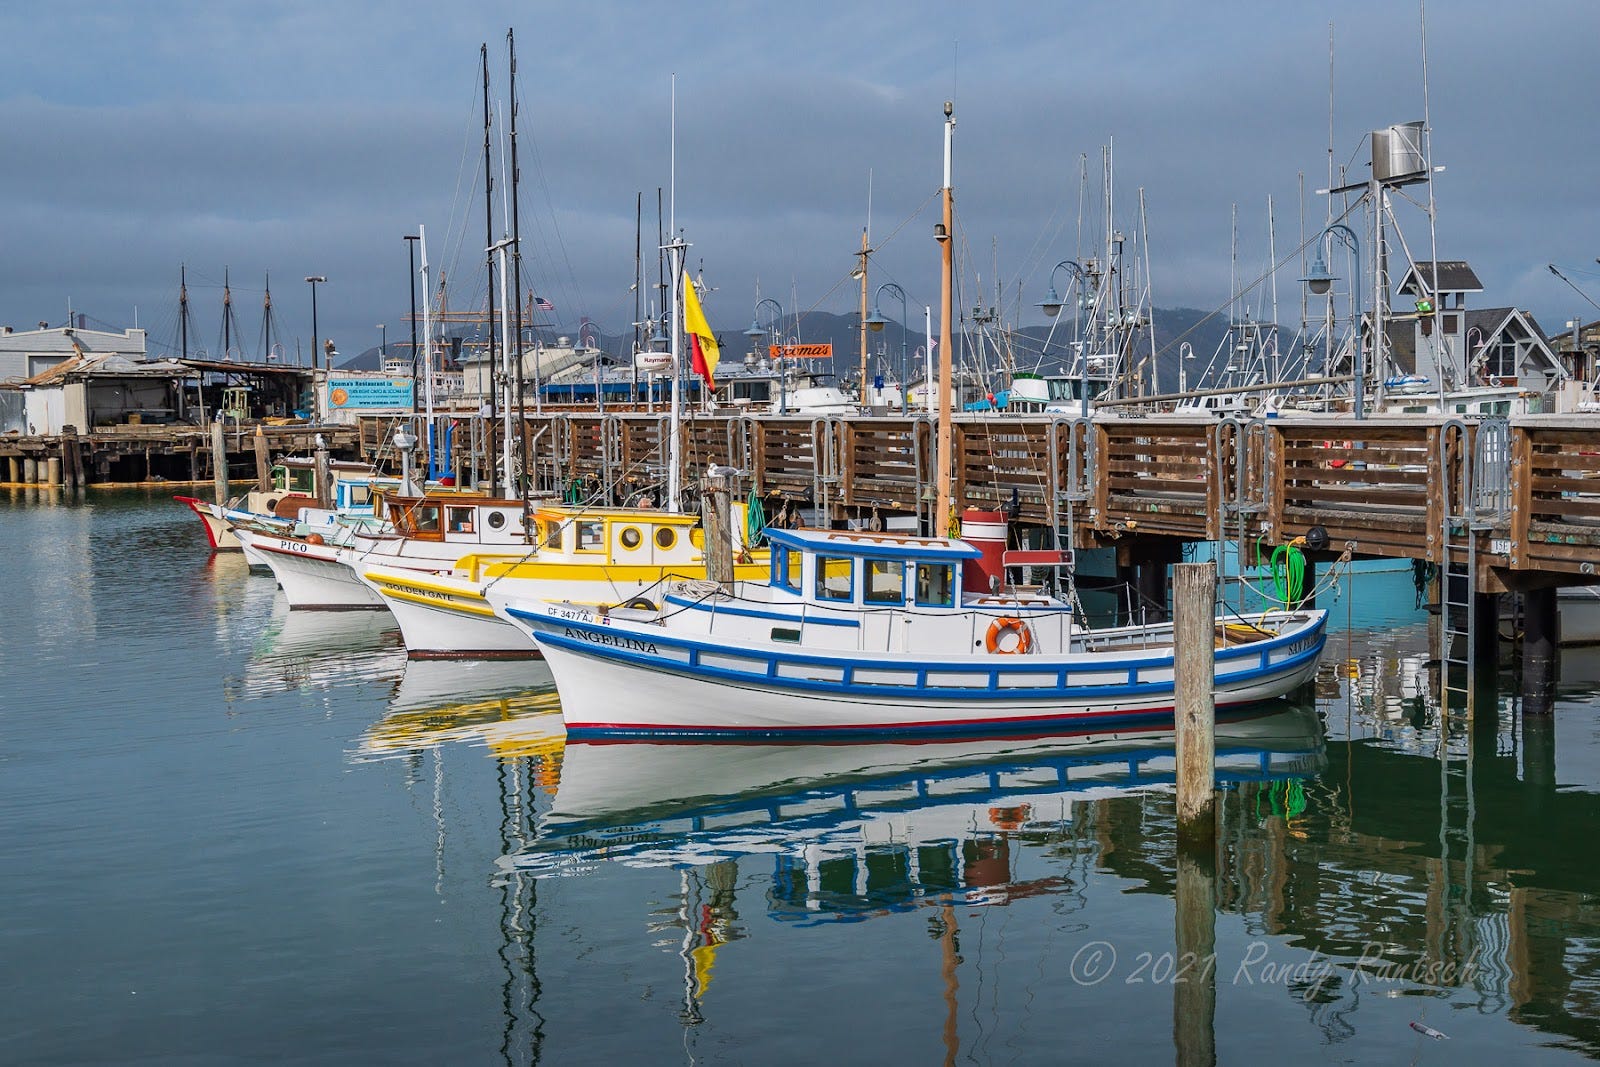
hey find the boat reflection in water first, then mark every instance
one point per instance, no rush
(300, 650)
(905, 820)
(508, 705)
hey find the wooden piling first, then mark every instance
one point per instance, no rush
(69, 452)
(30, 470)
(716, 521)
(1194, 983)
(324, 474)
(1194, 588)
(1540, 630)
(52, 470)
(263, 463)
(14, 469)
(219, 461)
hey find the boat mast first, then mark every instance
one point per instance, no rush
(227, 314)
(427, 348)
(516, 288)
(943, 515)
(183, 308)
(675, 255)
(488, 242)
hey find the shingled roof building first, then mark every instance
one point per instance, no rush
(1480, 346)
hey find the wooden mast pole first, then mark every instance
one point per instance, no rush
(943, 516)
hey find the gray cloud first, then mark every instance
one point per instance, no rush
(308, 139)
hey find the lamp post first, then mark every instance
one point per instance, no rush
(877, 322)
(383, 343)
(1320, 282)
(756, 333)
(1052, 304)
(1185, 355)
(316, 400)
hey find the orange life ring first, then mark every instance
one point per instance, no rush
(1337, 463)
(1009, 625)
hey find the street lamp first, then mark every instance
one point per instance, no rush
(1051, 305)
(877, 322)
(1320, 282)
(756, 333)
(1185, 356)
(313, 280)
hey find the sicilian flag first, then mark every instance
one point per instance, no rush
(700, 336)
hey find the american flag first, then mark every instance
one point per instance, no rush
(542, 304)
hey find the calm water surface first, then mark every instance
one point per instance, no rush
(235, 832)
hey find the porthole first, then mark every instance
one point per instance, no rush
(666, 537)
(497, 519)
(630, 537)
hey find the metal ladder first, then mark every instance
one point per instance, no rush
(1476, 494)
(1241, 497)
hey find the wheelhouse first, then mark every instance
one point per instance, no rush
(835, 568)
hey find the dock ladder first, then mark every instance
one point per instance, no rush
(1474, 492)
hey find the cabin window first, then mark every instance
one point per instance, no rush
(936, 585)
(591, 536)
(885, 581)
(630, 537)
(834, 578)
(781, 578)
(460, 519)
(359, 494)
(302, 480)
(426, 518)
(666, 537)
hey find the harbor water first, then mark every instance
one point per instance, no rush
(234, 832)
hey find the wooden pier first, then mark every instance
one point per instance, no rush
(123, 455)
(1519, 498)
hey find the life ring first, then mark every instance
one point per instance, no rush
(1337, 463)
(1009, 625)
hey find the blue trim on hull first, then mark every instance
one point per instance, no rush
(991, 690)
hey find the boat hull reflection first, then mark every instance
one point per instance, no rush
(653, 803)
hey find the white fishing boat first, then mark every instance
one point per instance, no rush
(425, 534)
(859, 633)
(294, 486)
(583, 554)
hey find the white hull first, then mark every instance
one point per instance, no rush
(312, 575)
(1580, 615)
(436, 624)
(254, 557)
(685, 704)
(216, 526)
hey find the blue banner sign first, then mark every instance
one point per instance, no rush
(347, 393)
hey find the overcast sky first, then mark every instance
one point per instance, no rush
(309, 138)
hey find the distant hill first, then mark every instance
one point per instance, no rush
(1172, 325)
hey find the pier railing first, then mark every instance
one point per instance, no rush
(1528, 488)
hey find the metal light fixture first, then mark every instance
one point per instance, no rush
(876, 322)
(1320, 280)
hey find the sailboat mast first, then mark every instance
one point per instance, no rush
(427, 347)
(516, 276)
(488, 243)
(183, 308)
(675, 255)
(227, 314)
(943, 516)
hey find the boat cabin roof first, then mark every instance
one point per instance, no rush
(872, 544)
